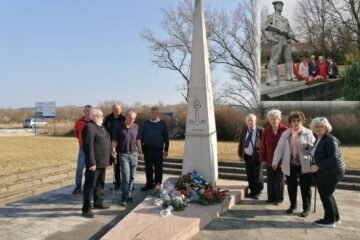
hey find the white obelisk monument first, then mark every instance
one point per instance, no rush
(200, 137)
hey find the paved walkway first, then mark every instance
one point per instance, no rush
(256, 219)
(56, 215)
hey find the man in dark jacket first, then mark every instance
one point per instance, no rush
(248, 149)
(313, 67)
(111, 122)
(155, 145)
(97, 149)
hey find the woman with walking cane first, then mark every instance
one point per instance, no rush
(329, 167)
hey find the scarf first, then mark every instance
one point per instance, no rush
(294, 138)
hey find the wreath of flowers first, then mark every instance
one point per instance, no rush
(191, 187)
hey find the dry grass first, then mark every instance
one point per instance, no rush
(25, 153)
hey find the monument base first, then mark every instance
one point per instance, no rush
(299, 91)
(145, 222)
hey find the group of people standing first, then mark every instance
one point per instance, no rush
(319, 70)
(294, 153)
(117, 140)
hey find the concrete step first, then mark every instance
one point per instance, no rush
(236, 171)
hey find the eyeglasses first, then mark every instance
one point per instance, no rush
(295, 120)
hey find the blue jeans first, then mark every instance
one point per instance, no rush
(80, 168)
(128, 163)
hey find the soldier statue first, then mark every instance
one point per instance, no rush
(278, 32)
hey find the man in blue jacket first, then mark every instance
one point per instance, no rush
(155, 145)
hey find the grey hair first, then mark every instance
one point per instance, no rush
(251, 115)
(93, 112)
(130, 111)
(273, 113)
(323, 121)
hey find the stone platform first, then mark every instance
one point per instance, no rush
(145, 222)
(299, 91)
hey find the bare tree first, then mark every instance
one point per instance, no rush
(314, 23)
(235, 43)
(347, 13)
(173, 52)
(232, 44)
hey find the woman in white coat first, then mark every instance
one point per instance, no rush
(292, 149)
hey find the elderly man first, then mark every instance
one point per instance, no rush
(278, 32)
(248, 149)
(97, 149)
(111, 122)
(127, 140)
(155, 144)
(79, 125)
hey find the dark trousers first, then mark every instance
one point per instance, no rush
(94, 184)
(117, 171)
(275, 185)
(326, 188)
(254, 175)
(153, 162)
(305, 187)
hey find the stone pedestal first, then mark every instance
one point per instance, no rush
(200, 136)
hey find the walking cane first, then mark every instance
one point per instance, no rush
(315, 184)
(315, 199)
(113, 180)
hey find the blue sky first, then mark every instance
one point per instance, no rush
(78, 52)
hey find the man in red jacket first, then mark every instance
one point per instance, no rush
(79, 125)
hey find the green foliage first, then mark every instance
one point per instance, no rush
(352, 83)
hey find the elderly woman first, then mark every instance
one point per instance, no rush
(304, 68)
(292, 149)
(269, 141)
(329, 167)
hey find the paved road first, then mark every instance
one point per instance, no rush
(56, 215)
(17, 132)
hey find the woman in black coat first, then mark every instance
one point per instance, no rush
(329, 168)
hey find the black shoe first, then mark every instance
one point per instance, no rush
(123, 202)
(130, 199)
(290, 211)
(304, 214)
(146, 188)
(88, 214)
(270, 201)
(77, 191)
(102, 206)
(324, 223)
(255, 197)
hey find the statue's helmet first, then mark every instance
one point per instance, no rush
(277, 2)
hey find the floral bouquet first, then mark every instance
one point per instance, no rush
(197, 189)
(172, 197)
(190, 187)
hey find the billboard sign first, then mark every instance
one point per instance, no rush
(45, 109)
